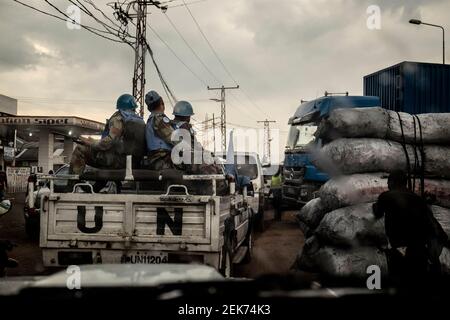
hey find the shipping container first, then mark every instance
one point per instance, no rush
(412, 87)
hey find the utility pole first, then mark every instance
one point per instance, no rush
(267, 140)
(205, 134)
(223, 113)
(214, 132)
(140, 51)
(140, 47)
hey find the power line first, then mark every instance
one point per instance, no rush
(122, 34)
(178, 58)
(189, 3)
(90, 29)
(209, 43)
(218, 57)
(73, 21)
(166, 88)
(191, 49)
(101, 11)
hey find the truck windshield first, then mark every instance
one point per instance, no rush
(301, 135)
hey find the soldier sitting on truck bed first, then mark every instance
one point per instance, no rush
(182, 112)
(158, 133)
(123, 135)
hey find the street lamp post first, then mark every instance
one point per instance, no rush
(419, 22)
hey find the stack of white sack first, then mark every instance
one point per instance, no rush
(362, 146)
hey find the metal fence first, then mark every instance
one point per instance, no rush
(17, 179)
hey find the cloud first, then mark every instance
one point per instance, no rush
(279, 51)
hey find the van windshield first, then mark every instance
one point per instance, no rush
(301, 135)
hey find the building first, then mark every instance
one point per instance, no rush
(39, 135)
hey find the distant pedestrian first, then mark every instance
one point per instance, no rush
(3, 183)
(276, 189)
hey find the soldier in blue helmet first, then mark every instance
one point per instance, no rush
(123, 135)
(183, 111)
(158, 133)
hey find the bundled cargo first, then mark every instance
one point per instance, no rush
(336, 262)
(310, 215)
(379, 123)
(349, 156)
(350, 190)
(352, 227)
(356, 226)
(361, 148)
(361, 188)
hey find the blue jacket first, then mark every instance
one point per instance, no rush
(154, 142)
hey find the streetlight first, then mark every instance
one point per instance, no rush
(419, 22)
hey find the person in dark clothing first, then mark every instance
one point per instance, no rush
(416, 238)
(3, 183)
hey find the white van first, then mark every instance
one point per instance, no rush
(249, 164)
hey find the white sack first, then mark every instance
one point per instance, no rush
(334, 262)
(311, 214)
(361, 188)
(348, 156)
(384, 124)
(352, 227)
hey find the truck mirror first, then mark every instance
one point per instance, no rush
(5, 207)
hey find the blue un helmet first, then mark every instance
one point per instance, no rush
(126, 102)
(151, 98)
(183, 109)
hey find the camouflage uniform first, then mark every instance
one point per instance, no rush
(100, 154)
(161, 158)
(202, 168)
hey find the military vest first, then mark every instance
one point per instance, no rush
(154, 142)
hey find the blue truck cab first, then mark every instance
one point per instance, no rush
(302, 179)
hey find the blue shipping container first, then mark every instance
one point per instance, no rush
(411, 87)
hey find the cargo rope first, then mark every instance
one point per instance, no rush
(408, 163)
(423, 158)
(416, 157)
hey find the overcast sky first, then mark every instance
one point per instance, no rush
(278, 51)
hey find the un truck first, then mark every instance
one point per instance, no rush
(302, 179)
(158, 217)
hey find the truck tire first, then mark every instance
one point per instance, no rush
(249, 244)
(258, 221)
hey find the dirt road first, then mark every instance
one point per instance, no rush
(274, 250)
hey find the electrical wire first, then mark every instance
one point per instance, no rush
(219, 59)
(121, 33)
(191, 49)
(177, 57)
(65, 20)
(209, 43)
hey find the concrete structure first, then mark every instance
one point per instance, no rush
(44, 129)
(8, 105)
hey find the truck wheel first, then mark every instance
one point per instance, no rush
(259, 221)
(227, 263)
(249, 244)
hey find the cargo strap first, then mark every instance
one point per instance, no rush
(419, 166)
(422, 154)
(408, 162)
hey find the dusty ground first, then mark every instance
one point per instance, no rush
(274, 250)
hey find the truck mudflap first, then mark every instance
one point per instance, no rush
(67, 257)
